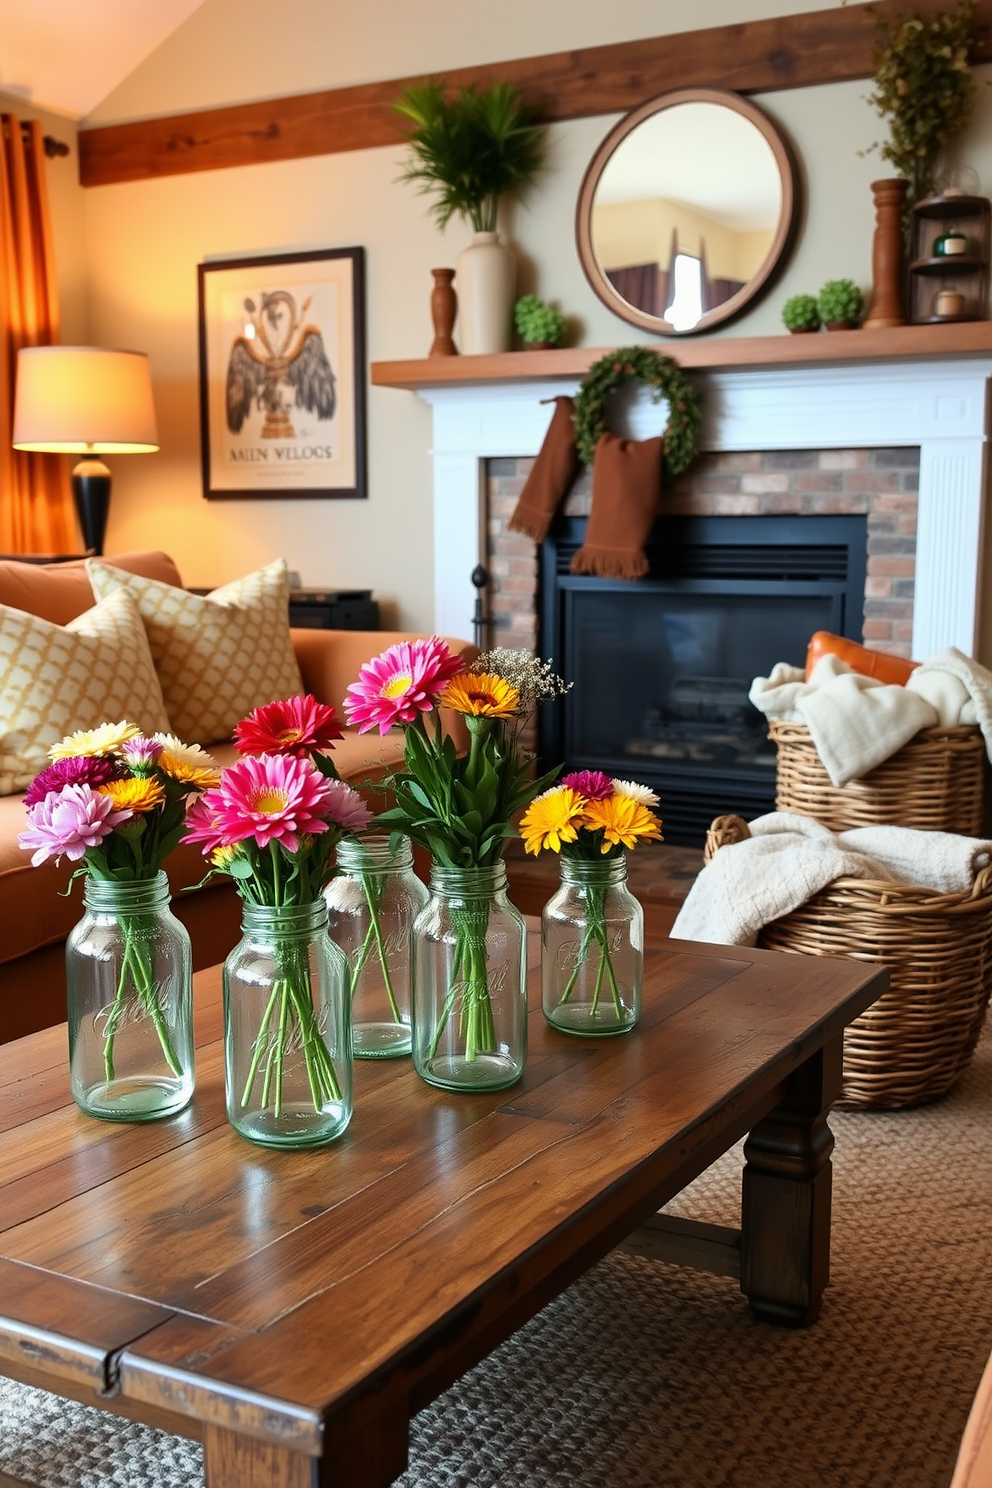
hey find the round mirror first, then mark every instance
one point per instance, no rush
(686, 211)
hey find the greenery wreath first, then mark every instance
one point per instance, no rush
(666, 380)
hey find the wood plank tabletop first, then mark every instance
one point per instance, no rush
(205, 1279)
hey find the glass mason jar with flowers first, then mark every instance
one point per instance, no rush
(469, 990)
(271, 824)
(592, 929)
(115, 802)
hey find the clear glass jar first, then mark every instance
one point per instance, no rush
(287, 1028)
(592, 949)
(469, 982)
(129, 979)
(372, 903)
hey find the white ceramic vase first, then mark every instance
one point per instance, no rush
(485, 279)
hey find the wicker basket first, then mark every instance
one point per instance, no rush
(912, 1045)
(933, 783)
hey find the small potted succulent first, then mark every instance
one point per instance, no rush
(539, 324)
(801, 313)
(841, 304)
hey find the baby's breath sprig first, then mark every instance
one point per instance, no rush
(533, 678)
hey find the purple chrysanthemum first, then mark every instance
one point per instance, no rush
(592, 784)
(82, 769)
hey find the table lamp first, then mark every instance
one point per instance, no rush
(84, 400)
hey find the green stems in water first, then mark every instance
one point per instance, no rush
(289, 1023)
(595, 933)
(137, 971)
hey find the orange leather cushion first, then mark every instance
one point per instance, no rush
(59, 592)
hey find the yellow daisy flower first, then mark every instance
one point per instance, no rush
(187, 763)
(621, 819)
(138, 794)
(552, 819)
(106, 739)
(482, 695)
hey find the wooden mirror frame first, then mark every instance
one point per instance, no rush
(782, 240)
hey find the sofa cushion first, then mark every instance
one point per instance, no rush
(217, 656)
(55, 679)
(61, 591)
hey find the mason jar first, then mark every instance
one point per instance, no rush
(287, 1028)
(592, 949)
(372, 903)
(469, 982)
(129, 983)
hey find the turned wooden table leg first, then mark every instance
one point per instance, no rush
(785, 1197)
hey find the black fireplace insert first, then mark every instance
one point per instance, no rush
(661, 667)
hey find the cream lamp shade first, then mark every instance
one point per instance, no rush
(85, 400)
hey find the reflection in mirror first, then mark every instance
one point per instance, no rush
(686, 211)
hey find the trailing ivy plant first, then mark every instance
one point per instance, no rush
(924, 87)
(470, 149)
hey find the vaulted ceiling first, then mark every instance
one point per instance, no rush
(66, 55)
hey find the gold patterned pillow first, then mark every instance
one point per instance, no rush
(217, 656)
(55, 679)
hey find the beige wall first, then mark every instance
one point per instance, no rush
(143, 243)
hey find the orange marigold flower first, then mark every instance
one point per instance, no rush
(138, 794)
(481, 695)
(621, 819)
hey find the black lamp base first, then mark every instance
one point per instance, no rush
(91, 493)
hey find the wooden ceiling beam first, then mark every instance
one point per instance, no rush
(823, 46)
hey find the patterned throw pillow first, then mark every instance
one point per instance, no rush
(55, 679)
(217, 656)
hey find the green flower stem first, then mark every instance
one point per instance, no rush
(137, 970)
(292, 995)
(595, 931)
(468, 983)
(373, 886)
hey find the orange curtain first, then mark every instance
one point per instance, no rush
(36, 513)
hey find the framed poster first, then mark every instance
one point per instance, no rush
(282, 375)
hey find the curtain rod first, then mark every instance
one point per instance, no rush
(52, 145)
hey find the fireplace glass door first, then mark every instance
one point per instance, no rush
(661, 668)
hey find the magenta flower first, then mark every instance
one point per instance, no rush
(69, 821)
(267, 797)
(404, 681)
(82, 769)
(592, 784)
(346, 808)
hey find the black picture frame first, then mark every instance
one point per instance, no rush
(283, 375)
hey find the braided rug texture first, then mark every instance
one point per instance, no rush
(650, 1376)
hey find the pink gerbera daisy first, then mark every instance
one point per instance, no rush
(69, 821)
(81, 769)
(592, 784)
(296, 725)
(268, 797)
(401, 683)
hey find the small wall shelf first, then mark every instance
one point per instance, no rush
(964, 275)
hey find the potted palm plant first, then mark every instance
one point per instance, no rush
(469, 150)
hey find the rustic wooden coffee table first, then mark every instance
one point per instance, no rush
(294, 1310)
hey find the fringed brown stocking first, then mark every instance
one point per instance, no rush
(626, 490)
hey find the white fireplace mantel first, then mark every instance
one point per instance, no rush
(938, 405)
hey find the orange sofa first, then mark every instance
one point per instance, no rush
(35, 918)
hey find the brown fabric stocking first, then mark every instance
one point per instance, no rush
(626, 489)
(552, 475)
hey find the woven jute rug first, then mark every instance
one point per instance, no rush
(644, 1375)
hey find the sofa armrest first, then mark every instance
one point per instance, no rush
(331, 659)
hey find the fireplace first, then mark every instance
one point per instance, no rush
(661, 668)
(929, 411)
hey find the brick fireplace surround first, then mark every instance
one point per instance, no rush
(880, 484)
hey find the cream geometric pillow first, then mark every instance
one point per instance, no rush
(55, 679)
(217, 656)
